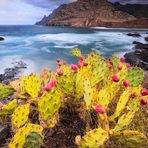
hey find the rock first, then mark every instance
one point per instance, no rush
(135, 42)
(4, 133)
(11, 74)
(146, 39)
(141, 46)
(2, 39)
(134, 34)
(139, 57)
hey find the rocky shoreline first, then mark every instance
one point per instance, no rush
(11, 74)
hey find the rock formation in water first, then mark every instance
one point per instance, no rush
(91, 13)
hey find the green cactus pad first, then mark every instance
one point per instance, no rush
(131, 139)
(31, 85)
(21, 136)
(94, 139)
(88, 93)
(66, 82)
(135, 76)
(5, 91)
(9, 108)
(124, 121)
(49, 104)
(33, 140)
(20, 115)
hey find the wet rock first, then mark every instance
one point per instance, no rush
(2, 39)
(135, 42)
(134, 34)
(11, 74)
(141, 46)
(139, 57)
(146, 39)
(4, 133)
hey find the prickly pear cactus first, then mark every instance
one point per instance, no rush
(66, 82)
(94, 139)
(45, 76)
(135, 76)
(49, 105)
(33, 140)
(77, 52)
(131, 139)
(30, 85)
(98, 67)
(9, 108)
(88, 93)
(5, 91)
(20, 115)
(22, 135)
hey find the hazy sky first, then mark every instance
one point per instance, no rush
(30, 11)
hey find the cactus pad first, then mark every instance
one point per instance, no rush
(33, 140)
(94, 139)
(9, 108)
(22, 134)
(20, 115)
(49, 104)
(135, 76)
(5, 91)
(31, 85)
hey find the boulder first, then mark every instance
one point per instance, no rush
(2, 39)
(134, 34)
(146, 39)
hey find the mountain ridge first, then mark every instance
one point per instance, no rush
(92, 13)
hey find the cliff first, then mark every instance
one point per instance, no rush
(91, 13)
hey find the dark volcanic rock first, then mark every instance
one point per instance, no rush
(2, 39)
(146, 39)
(4, 132)
(135, 42)
(134, 34)
(139, 57)
(12, 73)
(141, 46)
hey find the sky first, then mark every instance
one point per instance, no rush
(19, 12)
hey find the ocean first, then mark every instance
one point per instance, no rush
(40, 46)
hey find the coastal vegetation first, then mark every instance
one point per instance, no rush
(104, 95)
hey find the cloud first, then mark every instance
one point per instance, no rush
(48, 4)
(18, 12)
(131, 1)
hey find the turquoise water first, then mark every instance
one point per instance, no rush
(40, 46)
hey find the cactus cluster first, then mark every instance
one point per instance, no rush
(94, 83)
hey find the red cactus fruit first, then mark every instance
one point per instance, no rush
(119, 67)
(74, 67)
(100, 109)
(126, 83)
(52, 82)
(144, 92)
(134, 95)
(60, 64)
(64, 63)
(143, 101)
(122, 59)
(60, 72)
(115, 78)
(59, 60)
(80, 64)
(82, 58)
(48, 87)
(128, 65)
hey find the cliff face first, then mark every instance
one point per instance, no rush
(88, 13)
